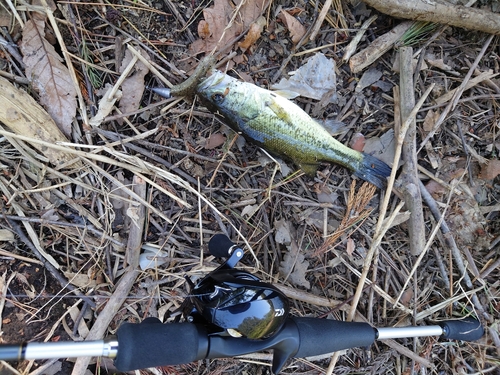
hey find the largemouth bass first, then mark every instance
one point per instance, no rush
(281, 127)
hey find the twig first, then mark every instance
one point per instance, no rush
(53, 270)
(88, 228)
(320, 19)
(125, 284)
(466, 151)
(67, 58)
(137, 212)
(452, 104)
(351, 47)
(378, 47)
(431, 203)
(380, 230)
(440, 12)
(409, 176)
(102, 322)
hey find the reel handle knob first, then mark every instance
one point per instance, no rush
(220, 246)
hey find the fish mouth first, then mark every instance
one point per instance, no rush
(211, 82)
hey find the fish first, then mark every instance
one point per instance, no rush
(282, 128)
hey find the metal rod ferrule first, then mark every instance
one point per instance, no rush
(47, 350)
(400, 332)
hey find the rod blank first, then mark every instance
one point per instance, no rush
(401, 332)
(64, 349)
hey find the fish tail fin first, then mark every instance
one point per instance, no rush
(373, 170)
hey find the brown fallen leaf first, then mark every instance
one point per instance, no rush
(203, 29)
(350, 246)
(430, 119)
(48, 75)
(296, 29)
(253, 34)
(214, 141)
(294, 266)
(490, 170)
(133, 86)
(357, 142)
(217, 18)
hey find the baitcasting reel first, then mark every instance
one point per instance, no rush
(234, 302)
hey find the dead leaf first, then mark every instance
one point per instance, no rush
(383, 147)
(106, 105)
(253, 34)
(350, 246)
(215, 140)
(439, 63)
(216, 18)
(80, 280)
(358, 142)
(282, 235)
(368, 78)
(490, 170)
(6, 235)
(203, 29)
(296, 29)
(430, 120)
(48, 75)
(435, 189)
(294, 266)
(466, 221)
(24, 116)
(250, 210)
(5, 17)
(152, 257)
(133, 86)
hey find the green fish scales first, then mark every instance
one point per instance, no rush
(281, 127)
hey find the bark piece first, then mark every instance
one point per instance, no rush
(440, 12)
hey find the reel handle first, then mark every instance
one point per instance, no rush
(220, 246)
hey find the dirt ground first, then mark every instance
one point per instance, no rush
(162, 176)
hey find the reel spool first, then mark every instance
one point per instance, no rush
(236, 301)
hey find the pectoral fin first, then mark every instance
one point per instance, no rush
(309, 169)
(278, 110)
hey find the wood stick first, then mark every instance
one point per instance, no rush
(351, 48)
(431, 203)
(452, 104)
(377, 48)
(440, 12)
(409, 177)
(125, 284)
(137, 213)
(321, 18)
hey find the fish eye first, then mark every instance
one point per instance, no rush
(218, 97)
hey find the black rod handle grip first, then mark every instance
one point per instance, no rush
(151, 344)
(219, 246)
(321, 336)
(467, 329)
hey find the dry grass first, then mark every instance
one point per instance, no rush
(145, 180)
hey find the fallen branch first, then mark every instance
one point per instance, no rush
(440, 12)
(457, 256)
(409, 177)
(378, 47)
(127, 281)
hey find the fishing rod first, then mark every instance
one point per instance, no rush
(229, 313)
